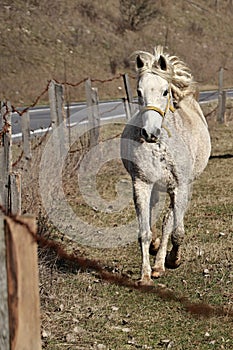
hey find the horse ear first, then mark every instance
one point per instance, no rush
(162, 63)
(139, 62)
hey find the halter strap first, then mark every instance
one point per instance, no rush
(157, 109)
(153, 108)
(169, 106)
(162, 113)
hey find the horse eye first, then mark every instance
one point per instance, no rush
(165, 93)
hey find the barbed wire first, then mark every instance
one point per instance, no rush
(107, 80)
(18, 160)
(41, 140)
(20, 113)
(212, 111)
(37, 99)
(71, 84)
(6, 124)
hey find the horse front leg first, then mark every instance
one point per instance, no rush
(142, 194)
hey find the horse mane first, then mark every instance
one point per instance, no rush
(176, 72)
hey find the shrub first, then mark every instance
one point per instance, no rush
(135, 13)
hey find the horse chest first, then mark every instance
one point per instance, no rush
(153, 164)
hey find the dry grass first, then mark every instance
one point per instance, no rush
(79, 310)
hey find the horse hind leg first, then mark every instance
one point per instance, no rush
(173, 224)
(155, 242)
(159, 265)
(173, 258)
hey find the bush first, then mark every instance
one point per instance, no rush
(135, 13)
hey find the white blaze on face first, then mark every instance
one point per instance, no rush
(152, 92)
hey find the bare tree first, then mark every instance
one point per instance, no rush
(135, 13)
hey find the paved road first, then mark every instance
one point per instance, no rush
(40, 116)
(206, 96)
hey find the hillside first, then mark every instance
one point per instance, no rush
(68, 39)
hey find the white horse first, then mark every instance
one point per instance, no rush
(164, 147)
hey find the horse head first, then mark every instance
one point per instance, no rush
(154, 94)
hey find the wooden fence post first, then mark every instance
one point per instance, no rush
(5, 169)
(58, 120)
(224, 100)
(127, 109)
(93, 112)
(23, 284)
(5, 154)
(56, 100)
(15, 193)
(129, 96)
(25, 125)
(221, 98)
(4, 313)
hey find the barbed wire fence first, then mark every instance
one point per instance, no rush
(129, 105)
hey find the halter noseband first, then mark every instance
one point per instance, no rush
(157, 109)
(162, 113)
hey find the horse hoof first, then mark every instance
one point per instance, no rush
(154, 246)
(172, 263)
(157, 272)
(145, 282)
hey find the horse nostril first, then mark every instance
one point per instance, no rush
(144, 134)
(155, 136)
(150, 137)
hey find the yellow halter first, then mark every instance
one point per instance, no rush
(157, 109)
(162, 113)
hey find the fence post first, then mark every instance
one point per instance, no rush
(15, 193)
(23, 283)
(129, 96)
(25, 125)
(224, 99)
(5, 153)
(5, 169)
(4, 314)
(58, 120)
(93, 112)
(221, 98)
(127, 109)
